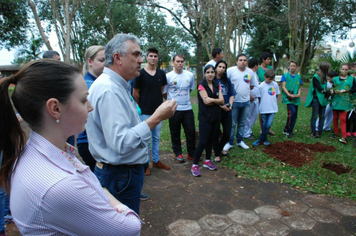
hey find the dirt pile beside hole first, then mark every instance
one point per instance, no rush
(296, 154)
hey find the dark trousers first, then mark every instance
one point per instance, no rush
(225, 121)
(207, 133)
(351, 121)
(185, 118)
(89, 160)
(317, 110)
(292, 118)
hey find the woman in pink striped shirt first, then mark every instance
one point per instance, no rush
(51, 192)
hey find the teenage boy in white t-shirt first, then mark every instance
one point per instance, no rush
(269, 91)
(179, 85)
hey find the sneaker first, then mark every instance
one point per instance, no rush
(208, 164)
(249, 137)
(343, 140)
(285, 132)
(348, 134)
(190, 157)
(148, 171)
(160, 165)
(180, 158)
(243, 145)
(144, 197)
(195, 171)
(266, 143)
(256, 143)
(290, 135)
(227, 147)
(333, 136)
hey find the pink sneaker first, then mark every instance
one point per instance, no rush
(195, 171)
(208, 164)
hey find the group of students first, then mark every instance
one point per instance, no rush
(332, 97)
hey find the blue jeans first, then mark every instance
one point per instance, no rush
(2, 209)
(124, 182)
(155, 134)
(267, 120)
(240, 111)
(317, 110)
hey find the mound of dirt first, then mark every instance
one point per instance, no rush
(296, 154)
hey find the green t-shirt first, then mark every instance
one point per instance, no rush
(261, 72)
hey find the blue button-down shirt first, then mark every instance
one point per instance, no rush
(115, 132)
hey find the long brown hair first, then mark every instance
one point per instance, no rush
(35, 83)
(323, 71)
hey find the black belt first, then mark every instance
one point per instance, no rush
(102, 164)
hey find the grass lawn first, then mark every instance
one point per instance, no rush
(255, 164)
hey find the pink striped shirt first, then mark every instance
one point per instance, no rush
(54, 195)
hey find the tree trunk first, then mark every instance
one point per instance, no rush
(38, 23)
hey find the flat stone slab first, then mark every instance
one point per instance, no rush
(272, 228)
(268, 212)
(242, 230)
(294, 206)
(323, 215)
(316, 201)
(243, 217)
(299, 221)
(345, 209)
(184, 228)
(213, 222)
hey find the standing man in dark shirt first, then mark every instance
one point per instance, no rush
(147, 91)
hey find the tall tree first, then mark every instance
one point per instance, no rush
(13, 22)
(295, 28)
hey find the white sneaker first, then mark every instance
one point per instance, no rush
(243, 145)
(227, 147)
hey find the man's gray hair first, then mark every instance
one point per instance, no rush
(50, 54)
(118, 45)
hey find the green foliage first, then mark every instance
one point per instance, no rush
(13, 21)
(169, 40)
(335, 64)
(255, 164)
(29, 53)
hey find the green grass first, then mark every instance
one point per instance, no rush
(254, 164)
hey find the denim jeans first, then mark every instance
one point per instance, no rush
(328, 119)
(2, 209)
(240, 111)
(155, 135)
(226, 125)
(124, 182)
(291, 118)
(317, 110)
(267, 120)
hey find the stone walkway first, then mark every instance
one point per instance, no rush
(221, 203)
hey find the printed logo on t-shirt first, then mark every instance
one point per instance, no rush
(175, 82)
(271, 91)
(247, 78)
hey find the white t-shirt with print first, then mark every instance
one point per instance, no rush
(268, 102)
(178, 87)
(242, 80)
